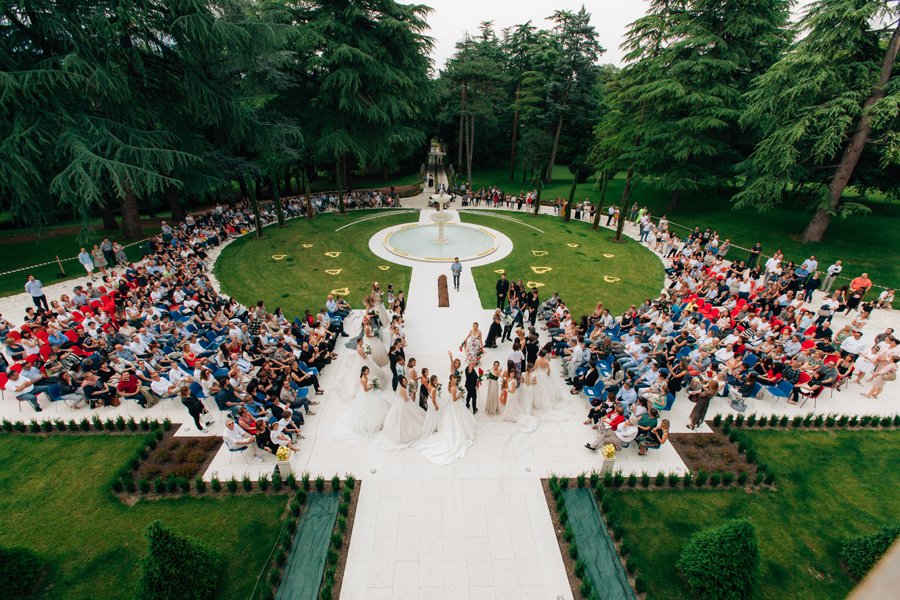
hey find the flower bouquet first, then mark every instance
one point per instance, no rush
(608, 451)
(376, 384)
(368, 350)
(507, 320)
(439, 388)
(283, 453)
(480, 375)
(492, 377)
(411, 388)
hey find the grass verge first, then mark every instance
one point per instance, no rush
(55, 498)
(831, 486)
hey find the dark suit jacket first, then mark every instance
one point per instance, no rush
(502, 287)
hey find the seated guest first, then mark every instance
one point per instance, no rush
(587, 379)
(621, 436)
(656, 438)
(236, 439)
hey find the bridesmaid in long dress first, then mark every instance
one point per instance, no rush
(403, 422)
(433, 416)
(423, 389)
(413, 376)
(512, 411)
(379, 353)
(474, 345)
(492, 400)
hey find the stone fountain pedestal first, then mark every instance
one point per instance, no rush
(440, 217)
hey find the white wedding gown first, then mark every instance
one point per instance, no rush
(432, 419)
(350, 384)
(514, 410)
(403, 423)
(548, 402)
(379, 354)
(363, 419)
(456, 433)
(382, 312)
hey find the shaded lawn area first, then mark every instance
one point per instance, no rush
(299, 281)
(578, 274)
(862, 242)
(831, 485)
(55, 498)
(23, 254)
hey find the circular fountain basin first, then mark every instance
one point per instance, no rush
(416, 242)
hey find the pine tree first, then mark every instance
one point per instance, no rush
(832, 96)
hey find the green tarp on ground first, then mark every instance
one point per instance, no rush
(595, 547)
(306, 563)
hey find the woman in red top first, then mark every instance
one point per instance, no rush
(187, 355)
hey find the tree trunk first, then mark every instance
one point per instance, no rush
(553, 152)
(673, 201)
(148, 206)
(462, 124)
(512, 154)
(567, 209)
(625, 194)
(470, 147)
(537, 199)
(596, 224)
(131, 216)
(109, 218)
(288, 188)
(819, 223)
(337, 170)
(255, 205)
(276, 199)
(310, 212)
(174, 203)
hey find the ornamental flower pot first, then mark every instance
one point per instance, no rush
(608, 466)
(284, 467)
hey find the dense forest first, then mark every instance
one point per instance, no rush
(109, 106)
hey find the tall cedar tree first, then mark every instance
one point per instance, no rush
(834, 97)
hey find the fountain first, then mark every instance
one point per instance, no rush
(440, 217)
(428, 243)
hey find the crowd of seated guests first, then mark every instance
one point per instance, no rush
(158, 331)
(719, 329)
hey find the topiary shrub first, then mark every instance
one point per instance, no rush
(178, 567)
(861, 553)
(722, 563)
(22, 571)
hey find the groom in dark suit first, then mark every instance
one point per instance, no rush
(502, 291)
(472, 386)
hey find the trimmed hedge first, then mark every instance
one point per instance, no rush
(20, 572)
(178, 568)
(861, 553)
(722, 563)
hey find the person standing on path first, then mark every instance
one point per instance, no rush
(36, 290)
(502, 291)
(108, 253)
(754, 256)
(87, 262)
(831, 274)
(472, 385)
(456, 268)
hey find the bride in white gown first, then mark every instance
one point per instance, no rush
(379, 306)
(433, 412)
(404, 420)
(379, 354)
(356, 361)
(514, 409)
(548, 403)
(365, 416)
(456, 432)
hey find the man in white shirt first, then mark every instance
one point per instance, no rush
(723, 355)
(36, 290)
(162, 387)
(574, 360)
(853, 345)
(831, 274)
(237, 439)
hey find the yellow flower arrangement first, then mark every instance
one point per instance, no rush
(283, 453)
(609, 451)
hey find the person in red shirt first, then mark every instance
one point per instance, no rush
(130, 388)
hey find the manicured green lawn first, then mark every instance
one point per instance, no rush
(582, 274)
(23, 254)
(831, 485)
(299, 281)
(55, 498)
(862, 242)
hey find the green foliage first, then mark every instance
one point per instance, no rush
(585, 589)
(580, 480)
(132, 424)
(717, 420)
(305, 480)
(22, 570)
(7, 425)
(645, 479)
(349, 481)
(231, 485)
(291, 481)
(199, 484)
(332, 556)
(742, 477)
(660, 479)
(722, 563)
(295, 508)
(715, 479)
(335, 483)
(727, 478)
(568, 533)
(564, 516)
(573, 550)
(564, 482)
(301, 497)
(337, 541)
(673, 479)
(215, 485)
(263, 482)
(276, 481)
(344, 509)
(35, 426)
(320, 484)
(47, 426)
(579, 568)
(178, 567)
(341, 523)
(861, 553)
(246, 483)
(701, 478)
(159, 485)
